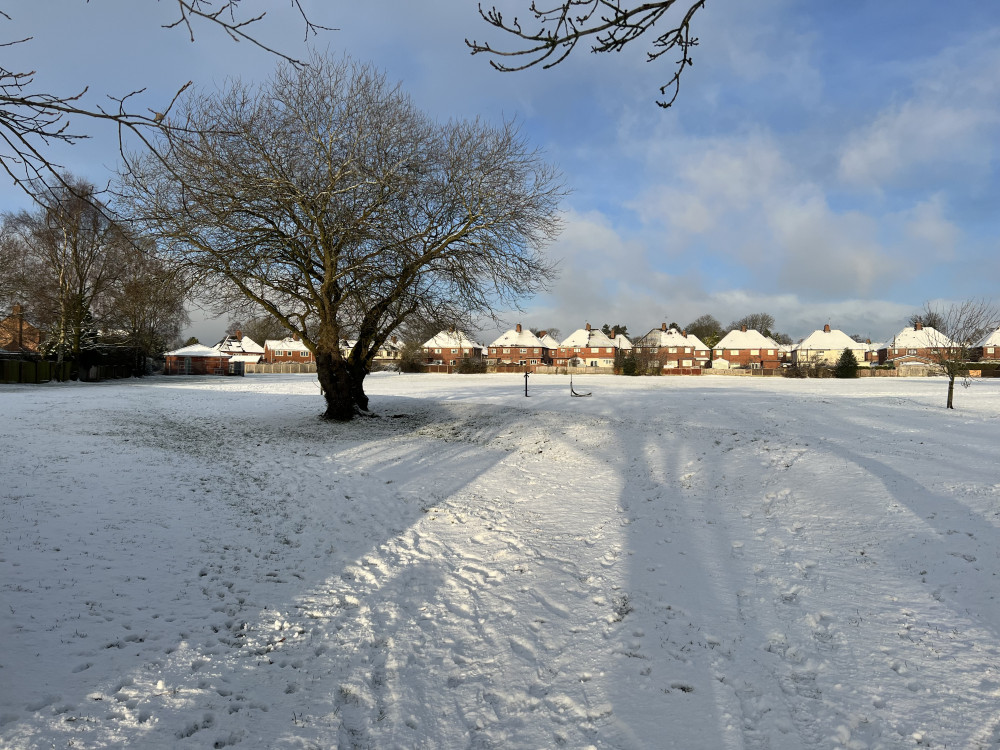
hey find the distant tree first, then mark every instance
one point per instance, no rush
(610, 25)
(259, 328)
(411, 357)
(959, 328)
(192, 341)
(145, 307)
(329, 200)
(847, 365)
(761, 322)
(611, 332)
(71, 254)
(553, 332)
(928, 318)
(782, 338)
(706, 328)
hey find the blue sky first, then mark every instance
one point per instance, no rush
(825, 163)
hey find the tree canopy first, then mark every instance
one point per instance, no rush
(327, 199)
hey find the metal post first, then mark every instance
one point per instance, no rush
(525, 383)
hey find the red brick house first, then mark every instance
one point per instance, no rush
(241, 348)
(288, 349)
(586, 347)
(519, 347)
(449, 348)
(919, 345)
(674, 349)
(750, 350)
(989, 348)
(196, 359)
(17, 334)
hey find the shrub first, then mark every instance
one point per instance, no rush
(471, 366)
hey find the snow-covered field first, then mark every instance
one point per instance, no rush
(672, 563)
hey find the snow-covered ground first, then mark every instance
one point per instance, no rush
(672, 563)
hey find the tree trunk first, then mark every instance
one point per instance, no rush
(951, 391)
(335, 380)
(357, 374)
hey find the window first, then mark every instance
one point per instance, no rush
(911, 351)
(506, 351)
(754, 352)
(437, 351)
(672, 350)
(734, 352)
(454, 351)
(535, 350)
(990, 350)
(686, 362)
(534, 361)
(577, 350)
(524, 351)
(770, 351)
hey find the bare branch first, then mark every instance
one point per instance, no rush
(606, 23)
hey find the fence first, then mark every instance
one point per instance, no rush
(280, 367)
(33, 371)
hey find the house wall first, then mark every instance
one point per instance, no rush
(449, 355)
(199, 366)
(514, 355)
(592, 356)
(287, 355)
(766, 359)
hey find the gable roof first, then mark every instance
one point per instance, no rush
(751, 339)
(197, 350)
(245, 345)
(548, 341)
(521, 338)
(992, 339)
(587, 337)
(661, 337)
(830, 340)
(289, 343)
(451, 340)
(923, 337)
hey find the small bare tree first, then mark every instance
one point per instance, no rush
(328, 200)
(611, 25)
(960, 327)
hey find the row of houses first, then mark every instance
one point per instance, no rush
(665, 347)
(675, 349)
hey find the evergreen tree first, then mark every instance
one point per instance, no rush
(847, 365)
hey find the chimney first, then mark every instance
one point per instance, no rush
(542, 334)
(868, 341)
(663, 326)
(239, 335)
(826, 328)
(518, 328)
(743, 329)
(587, 326)
(918, 326)
(395, 340)
(295, 337)
(684, 333)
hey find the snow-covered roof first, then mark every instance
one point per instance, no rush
(251, 358)
(830, 340)
(245, 345)
(197, 350)
(548, 341)
(286, 344)
(924, 337)
(587, 337)
(518, 337)
(672, 337)
(451, 340)
(992, 339)
(622, 342)
(751, 339)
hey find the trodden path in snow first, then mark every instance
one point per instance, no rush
(684, 563)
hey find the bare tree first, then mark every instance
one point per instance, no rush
(31, 120)
(763, 322)
(610, 25)
(70, 256)
(145, 307)
(960, 327)
(259, 328)
(327, 199)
